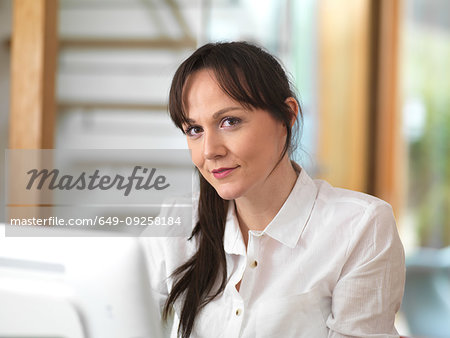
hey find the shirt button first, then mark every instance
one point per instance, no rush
(238, 312)
(254, 264)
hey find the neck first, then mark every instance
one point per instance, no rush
(255, 211)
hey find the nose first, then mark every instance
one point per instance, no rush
(213, 145)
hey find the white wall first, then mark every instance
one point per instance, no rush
(118, 75)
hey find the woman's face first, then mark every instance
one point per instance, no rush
(235, 149)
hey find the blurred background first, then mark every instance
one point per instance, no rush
(372, 77)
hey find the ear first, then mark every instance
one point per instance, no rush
(293, 104)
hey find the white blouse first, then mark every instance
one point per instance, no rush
(330, 264)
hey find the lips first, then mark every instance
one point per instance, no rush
(222, 172)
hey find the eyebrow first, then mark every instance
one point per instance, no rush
(218, 113)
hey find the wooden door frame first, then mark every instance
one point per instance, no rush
(34, 50)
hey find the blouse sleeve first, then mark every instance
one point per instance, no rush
(156, 267)
(370, 288)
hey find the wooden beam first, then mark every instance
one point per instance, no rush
(343, 92)
(33, 73)
(389, 147)
(175, 9)
(156, 43)
(63, 106)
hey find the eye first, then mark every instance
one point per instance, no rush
(230, 121)
(193, 131)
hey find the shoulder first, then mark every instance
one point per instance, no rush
(361, 231)
(345, 204)
(354, 216)
(331, 195)
(170, 247)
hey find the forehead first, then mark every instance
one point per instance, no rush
(202, 93)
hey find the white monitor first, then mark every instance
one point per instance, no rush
(75, 287)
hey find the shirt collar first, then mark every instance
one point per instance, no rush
(287, 225)
(233, 240)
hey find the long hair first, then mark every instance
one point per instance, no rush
(255, 79)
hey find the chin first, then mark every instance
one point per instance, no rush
(228, 193)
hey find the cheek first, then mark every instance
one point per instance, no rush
(196, 154)
(263, 142)
(265, 148)
(278, 140)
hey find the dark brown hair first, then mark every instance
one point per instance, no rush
(255, 79)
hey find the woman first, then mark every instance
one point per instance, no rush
(273, 253)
